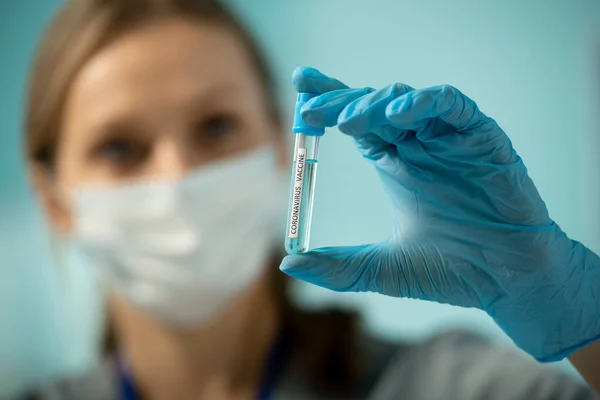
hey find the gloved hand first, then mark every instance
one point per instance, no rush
(470, 228)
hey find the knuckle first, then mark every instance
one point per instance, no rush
(448, 91)
(399, 89)
(344, 122)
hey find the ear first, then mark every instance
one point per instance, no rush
(53, 202)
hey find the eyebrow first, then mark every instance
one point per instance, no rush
(117, 128)
(215, 91)
(224, 87)
(215, 97)
(126, 123)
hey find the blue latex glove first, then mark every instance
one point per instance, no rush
(470, 228)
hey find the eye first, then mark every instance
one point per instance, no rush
(218, 128)
(119, 151)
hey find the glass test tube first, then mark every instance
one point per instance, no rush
(304, 174)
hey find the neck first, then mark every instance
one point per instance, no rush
(222, 359)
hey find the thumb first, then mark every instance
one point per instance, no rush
(342, 269)
(413, 271)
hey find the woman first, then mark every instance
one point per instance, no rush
(156, 146)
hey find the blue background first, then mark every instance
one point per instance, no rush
(534, 66)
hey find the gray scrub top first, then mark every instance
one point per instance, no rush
(451, 366)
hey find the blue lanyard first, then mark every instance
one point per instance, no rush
(272, 369)
(267, 384)
(127, 388)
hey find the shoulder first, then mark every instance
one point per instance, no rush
(100, 383)
(461, 365)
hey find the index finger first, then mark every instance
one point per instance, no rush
(310, 80)
(445, 102)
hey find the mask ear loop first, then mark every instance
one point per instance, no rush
(51, 196)
(59, 237)
(66, 260)
(63, 271)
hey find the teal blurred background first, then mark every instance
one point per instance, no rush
(533, 66)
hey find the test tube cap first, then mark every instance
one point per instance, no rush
(300, 127)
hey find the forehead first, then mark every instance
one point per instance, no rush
(163, 61)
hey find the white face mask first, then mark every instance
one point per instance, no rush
(181, 250)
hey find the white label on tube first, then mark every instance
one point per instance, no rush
(296, 208)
